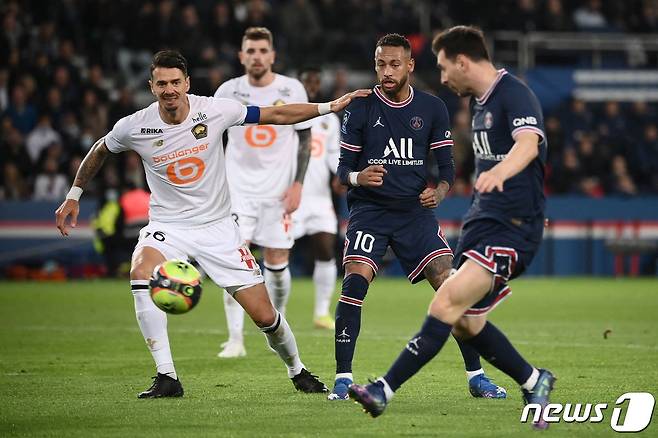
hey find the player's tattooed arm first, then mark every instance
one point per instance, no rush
(92, 162)
(303, 154)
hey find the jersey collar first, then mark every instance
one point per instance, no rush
(502, 72)
(389, 102)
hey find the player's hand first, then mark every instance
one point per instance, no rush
(489, 181)
(431, 198)
(70, 207)
(292, 197)
(336, 186)
(371, 176)
(340, 103)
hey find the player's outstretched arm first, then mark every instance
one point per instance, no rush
(292, 113)
(92, 162)
(525, 149)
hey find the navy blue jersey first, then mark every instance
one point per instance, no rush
(506, 109)
(399, 136)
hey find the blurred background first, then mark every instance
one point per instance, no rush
(69, 69)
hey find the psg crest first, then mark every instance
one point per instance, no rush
(416, 123)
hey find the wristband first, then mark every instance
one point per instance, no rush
(74, 193)
(352, 179)
(324, 108)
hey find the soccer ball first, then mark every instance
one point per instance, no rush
(175, 286)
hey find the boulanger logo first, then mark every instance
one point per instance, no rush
(635, 417)
(186, 170)
(261, 136)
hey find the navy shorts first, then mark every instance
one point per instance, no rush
(414, 236)
(504, 250)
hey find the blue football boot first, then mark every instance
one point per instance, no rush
(371, 397)
(341, 386)
(481, 386)
(540, 394)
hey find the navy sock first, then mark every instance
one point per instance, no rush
(421, 349)
(348, 320)
(496, 349)
(470, 355)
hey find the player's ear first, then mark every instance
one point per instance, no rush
(187, 84)
(412, 64)
(462, 62)
(241, 57)
(151, 87)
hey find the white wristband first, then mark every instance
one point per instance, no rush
(74, 193)
(324, 108)
(352, 179)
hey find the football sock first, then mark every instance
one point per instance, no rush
(471, 359)
(419, 350)
(324, 279)
(532, 380)
(234, 319)
(153, 324)
(348, 320)
(277, 282)
(496, 349)
(282, 340)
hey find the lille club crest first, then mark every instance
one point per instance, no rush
(416, 123)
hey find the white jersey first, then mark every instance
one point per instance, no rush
(261, 161)
(325, 152)
(184, 163)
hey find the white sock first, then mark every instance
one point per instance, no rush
(388, 392)
(324, 278)
(471, 374)
(532, 380)
(282, 340)
(277, 282)
(345, 376)
(234, 319)
(153, 324)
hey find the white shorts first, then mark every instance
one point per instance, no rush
(314, 215)
(263, 221)
(218, 248)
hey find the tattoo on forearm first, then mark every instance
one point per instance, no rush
(92, 162)
(303, 154)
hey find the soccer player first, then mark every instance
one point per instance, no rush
(501, 232)
(265, 167)
(315, 216)
(386, 139)
(179, 139)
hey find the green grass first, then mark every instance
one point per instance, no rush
(72, 361)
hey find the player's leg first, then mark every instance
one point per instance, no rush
(348, 324)
(277, 276)
(256, 302)
(155, 246)
(479, 385)
(245, 216)
(324, 278)
(457, 294)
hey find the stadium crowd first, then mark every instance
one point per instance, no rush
(70, 69)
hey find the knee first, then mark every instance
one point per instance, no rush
(275, 256)
(445, 306)
(264, 317)
(467, 327)
(139, 271)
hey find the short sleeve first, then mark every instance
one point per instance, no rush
(440, 136)
(351, 127)
(224, 90)
(524, 112)
(300, 96)
(233, 111)
(118, 139)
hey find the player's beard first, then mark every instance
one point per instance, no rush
(257, 72)
(392, 93)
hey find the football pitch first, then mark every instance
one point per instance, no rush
(72, 361)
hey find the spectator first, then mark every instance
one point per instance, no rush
(93, 115)
(124, 106)
(554, 19)
(4, 90)
(589, 17)
(13, 183)
(620, 181)
(13, 149)
(41, 137)
(50, 185)
(22, 113)
(568, 175)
